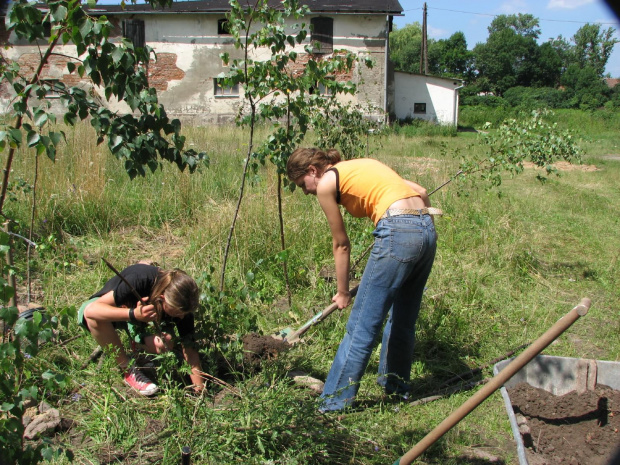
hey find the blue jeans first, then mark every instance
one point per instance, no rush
(392, 283)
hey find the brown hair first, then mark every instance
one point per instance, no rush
(302, 158)
(179, 289)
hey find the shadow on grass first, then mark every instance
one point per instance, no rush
(437, 453)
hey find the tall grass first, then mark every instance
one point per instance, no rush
(510, 263)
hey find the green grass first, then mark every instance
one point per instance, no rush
(510, 263)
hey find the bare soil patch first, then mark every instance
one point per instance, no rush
(576, 428)
(425, 165)
(564, 166)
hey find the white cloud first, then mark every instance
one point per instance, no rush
(567, 4)
(437, 33)
(513, 7)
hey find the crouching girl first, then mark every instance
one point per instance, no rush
(169, 297)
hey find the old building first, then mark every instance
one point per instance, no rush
(189, 37)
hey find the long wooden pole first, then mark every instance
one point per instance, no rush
(496, 382)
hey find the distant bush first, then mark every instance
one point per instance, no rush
(614, 100)
(483, 100)
(535, 97)
(412, 127)
(477, 116)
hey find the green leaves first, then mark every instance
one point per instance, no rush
(140, 138)
(517, 141)
(277, 93)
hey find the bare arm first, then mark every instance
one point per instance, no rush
(193, 358)
(105, 309)
(326, 194)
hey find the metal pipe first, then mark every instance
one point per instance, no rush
(186, 455)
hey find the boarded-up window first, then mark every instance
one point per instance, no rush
(419, 107)
(322, 35)
(133, 29)
(221, 90)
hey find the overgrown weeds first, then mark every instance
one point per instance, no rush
(508, 267)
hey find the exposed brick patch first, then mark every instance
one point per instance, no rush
(296, 68)
(56, 68)
(164, 70)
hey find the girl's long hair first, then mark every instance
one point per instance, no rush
(299, 161)
(179, 290)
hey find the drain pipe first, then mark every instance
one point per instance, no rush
(455, 119)
(388, 28)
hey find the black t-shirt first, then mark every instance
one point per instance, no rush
(142, 278)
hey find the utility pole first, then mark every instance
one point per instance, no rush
(423, 48)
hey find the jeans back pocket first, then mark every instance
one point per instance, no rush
(406, 244)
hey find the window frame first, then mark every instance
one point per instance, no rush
(51, 94)
(220, 91)
(322, 35)
(419, 108)
(135, 31)
(325, 91)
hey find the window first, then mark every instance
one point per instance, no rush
(419, 107)
(47, 29)
(133, 29)
(223, 27)
(220, 90)
(322, 35)
(325, 90)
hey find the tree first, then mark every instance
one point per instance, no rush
(285, 96)
(593, 47)
(505, 59)
(450, 57)
(525, 25)
(564, 51)
(141, 139)
(504, 150)
(584, 87)
(405, 47)
(544, 68)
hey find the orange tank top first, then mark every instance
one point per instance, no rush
(366, 187)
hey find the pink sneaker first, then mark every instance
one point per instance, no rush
(139, 381)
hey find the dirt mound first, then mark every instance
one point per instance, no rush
(258, 348)
(576, 428)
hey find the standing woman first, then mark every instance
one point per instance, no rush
(169, 297)
(396, 272)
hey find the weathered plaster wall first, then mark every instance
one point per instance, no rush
(188, 52)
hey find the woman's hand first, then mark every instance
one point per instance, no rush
(145, 313)
(342, 299)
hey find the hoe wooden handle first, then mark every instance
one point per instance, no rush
(294, 337)
(497, 381)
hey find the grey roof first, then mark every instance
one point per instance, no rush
(387, 7)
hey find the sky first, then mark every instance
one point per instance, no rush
(556, 17)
